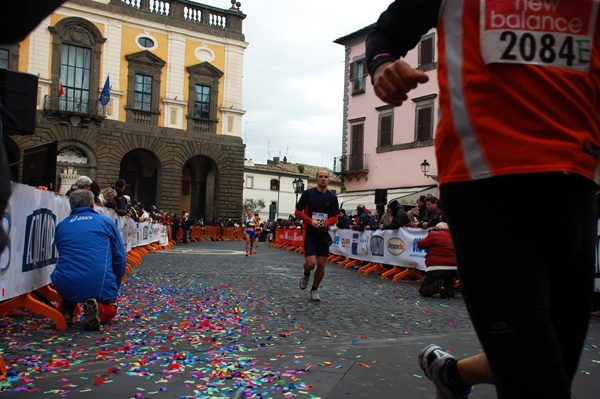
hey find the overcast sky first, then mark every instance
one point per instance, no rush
(294, 75)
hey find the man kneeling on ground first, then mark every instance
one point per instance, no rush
(440, 260)
(91, 262)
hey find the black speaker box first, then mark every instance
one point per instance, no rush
(380, 196)
(18, 94)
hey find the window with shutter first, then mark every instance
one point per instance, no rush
(427, 52)
(358, 76)
(425, 123)
(357, 147)
(274, 185)
(3, 58)
(385, 129)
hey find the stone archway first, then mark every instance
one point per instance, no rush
(141, 170)
(199, 182)
(74, 159)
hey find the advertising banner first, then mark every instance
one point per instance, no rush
(30, 254)
(391, 247)
(292, 237)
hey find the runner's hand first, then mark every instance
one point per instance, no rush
(392, 80)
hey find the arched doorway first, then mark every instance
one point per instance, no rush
(140, 169)
(74, 159)
(199, 188)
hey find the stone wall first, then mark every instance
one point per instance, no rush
(172, 148)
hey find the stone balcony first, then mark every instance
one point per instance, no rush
(182, 13)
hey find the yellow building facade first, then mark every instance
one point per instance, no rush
(172, 126)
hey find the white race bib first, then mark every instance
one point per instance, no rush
(320, 216)
(556, 33)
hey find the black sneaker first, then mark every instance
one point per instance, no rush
(92, 315)
(442, 289)
(68, 317)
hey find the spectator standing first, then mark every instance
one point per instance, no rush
(91, 262)
(344, 221)
(174, 226)
(416, 212)
(364, 220)
(396, 215)
(120, 198)
(431, 217)
(107, 196)
(512, 120)
(186, 225)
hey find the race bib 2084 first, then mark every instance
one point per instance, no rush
(556, 33)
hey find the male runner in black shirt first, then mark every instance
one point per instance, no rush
(317, 208)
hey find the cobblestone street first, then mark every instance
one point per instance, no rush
(204, 320)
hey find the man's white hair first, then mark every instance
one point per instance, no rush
(83, 181)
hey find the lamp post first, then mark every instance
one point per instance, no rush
(298, 187)
(425, 168)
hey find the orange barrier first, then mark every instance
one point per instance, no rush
(34, 305)
(334, 258)
(2, 369)
(214, 233)
(377, 267)
(407, 272)
(197, 233)
(394, 270)
(231, 233)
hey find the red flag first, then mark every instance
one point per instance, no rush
(61, 89)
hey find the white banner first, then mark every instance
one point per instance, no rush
(398, 247)
(391, 247)
(30, 254)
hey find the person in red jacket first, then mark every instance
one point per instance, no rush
(440, 260)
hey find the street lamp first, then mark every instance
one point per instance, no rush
(425, 168)
(298, 187)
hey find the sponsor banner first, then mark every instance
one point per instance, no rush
(30, 255)
(292, 237)
(392, 247)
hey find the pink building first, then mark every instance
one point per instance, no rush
(383, 146)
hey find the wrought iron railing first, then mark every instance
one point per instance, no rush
(351, 163)
(78, 106)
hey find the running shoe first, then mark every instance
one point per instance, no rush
(433, 361)
(255, 251)
(303, 281)
(314, 295)
(246, 253)
(92, 315)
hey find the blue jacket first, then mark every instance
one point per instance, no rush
(91, 257)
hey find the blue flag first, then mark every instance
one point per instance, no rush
(105, 95)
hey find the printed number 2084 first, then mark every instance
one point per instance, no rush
(527, 48)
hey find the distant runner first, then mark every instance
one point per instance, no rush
(250, 232)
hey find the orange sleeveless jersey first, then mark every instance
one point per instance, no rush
(535, 106)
